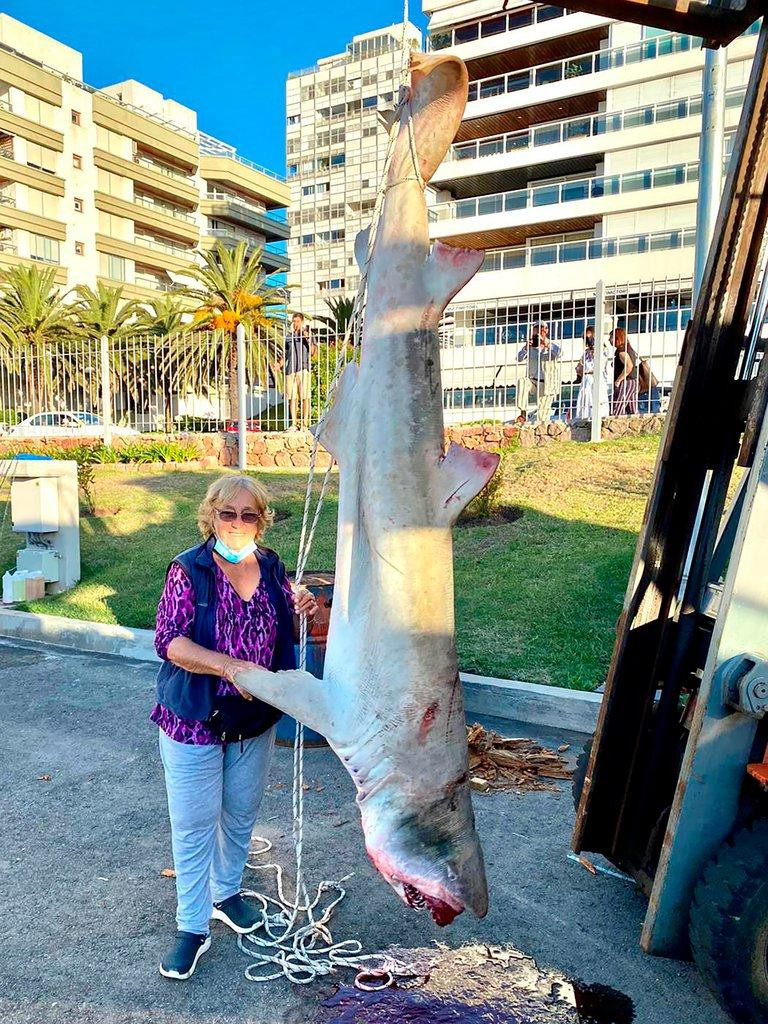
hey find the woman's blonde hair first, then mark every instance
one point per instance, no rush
(224, 490)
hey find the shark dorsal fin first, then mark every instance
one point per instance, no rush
(361, 246)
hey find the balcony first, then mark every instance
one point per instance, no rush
(161, 245)
(162, 168)
(591, 72)
(508, 217)
(165, 209)
(225, 205)
(574, 136)
(150, 175)
(533, 32)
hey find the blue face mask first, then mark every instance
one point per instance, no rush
(234, 556)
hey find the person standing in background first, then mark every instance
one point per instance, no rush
(543, 372)
(299, 349)
(585, 372)
(625, 371)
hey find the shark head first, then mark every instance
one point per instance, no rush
(428, 850)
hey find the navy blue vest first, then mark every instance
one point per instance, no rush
(189, 694)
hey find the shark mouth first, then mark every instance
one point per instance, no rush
(442, 913)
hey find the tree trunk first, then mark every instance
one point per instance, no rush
(234, 404)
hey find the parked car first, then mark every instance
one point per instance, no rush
(66, 423)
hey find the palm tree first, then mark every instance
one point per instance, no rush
(231, 289)
(35, 316)
(164, 319)
(341, 313)
(104, 313)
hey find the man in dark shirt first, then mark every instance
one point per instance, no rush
(298, 353)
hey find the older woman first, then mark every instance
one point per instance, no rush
(226, 605)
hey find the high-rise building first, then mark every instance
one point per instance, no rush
(336, 144)
(576, 162)
(117, 184)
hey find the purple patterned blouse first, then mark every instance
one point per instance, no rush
(244, 629)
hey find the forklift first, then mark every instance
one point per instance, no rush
(673, 787)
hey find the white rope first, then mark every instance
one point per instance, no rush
(294, 940)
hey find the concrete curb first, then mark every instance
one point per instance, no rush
(550, 706)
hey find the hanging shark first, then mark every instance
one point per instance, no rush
(390, 702)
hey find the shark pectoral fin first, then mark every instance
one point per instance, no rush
(361, 246)
(297, 693)
(447, 271)
(462, 475)
(334, 425)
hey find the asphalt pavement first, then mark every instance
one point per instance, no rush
(87, 911)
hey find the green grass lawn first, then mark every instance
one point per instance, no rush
(536, 599)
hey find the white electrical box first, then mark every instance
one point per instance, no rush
(35, 505)
(42, 560)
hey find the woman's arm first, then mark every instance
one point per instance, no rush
(201, 660)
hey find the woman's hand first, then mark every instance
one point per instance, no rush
(305, 602)
(230, 668)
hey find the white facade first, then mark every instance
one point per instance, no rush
(336, 143)
(116, 184)
(576, 162)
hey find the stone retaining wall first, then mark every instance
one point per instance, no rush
(292, 448)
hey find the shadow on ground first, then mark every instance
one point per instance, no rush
(87, 911)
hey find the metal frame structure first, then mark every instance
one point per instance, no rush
(717, 23)
(681, 719)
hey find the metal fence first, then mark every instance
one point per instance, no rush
(490, 372)
(489, 368)
(151, 384)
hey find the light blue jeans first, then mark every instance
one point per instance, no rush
(214, 794)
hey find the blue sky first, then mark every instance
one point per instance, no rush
(227, 60)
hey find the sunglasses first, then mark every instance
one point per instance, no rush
(228, 515)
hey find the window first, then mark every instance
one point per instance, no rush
(115, 266)
(41, 158)
(294, 119)
(307, 239)
(76, 117)
(78, 205)
(338, 160)
(293, 170)
(369, 131)
(79, 249)
(44, 249)
(77, 161)
(369, 101)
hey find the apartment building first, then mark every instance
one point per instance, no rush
(117, 184)
(576, 162)
(336, 144)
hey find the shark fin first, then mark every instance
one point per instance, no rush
(361, 246)
(448, 269)
(462, 474)
(297, 693)
(334, 424)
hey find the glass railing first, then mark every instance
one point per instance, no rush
(211, 146)
(586, 126)
(230, 197)
(520, 257)
(582, 64)
(170, 211)
(148, 242)
(569, 191)
(236, 236)
(494, 25)
(166, 169)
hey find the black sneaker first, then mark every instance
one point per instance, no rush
(241, 916)
(182, 960)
